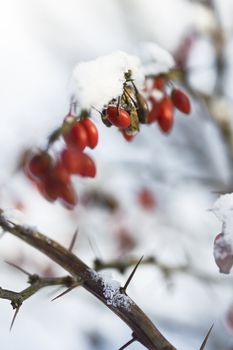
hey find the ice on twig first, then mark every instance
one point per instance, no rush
(97, 82)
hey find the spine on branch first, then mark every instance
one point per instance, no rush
(144, 331)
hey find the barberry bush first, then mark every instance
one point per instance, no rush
(126, 171)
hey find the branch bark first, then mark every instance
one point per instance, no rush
(144, 331)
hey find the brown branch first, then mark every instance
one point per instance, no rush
(167, 270)
(120, 303)
(36, 283)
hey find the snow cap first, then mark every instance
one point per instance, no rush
(98, 81)
(155, 59)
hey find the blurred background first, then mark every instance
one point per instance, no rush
(151, 197)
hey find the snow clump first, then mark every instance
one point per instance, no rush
(98, 81)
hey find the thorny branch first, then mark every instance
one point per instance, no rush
(167, 270)
(36, 283)
(81, 275)
(144, 331)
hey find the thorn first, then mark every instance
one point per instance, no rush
(128, 343)
(14, 317)
(67, 291)
(72, 243)
(18, 268)
(94, 248)
(93, 107)
(132, 274)
(206, 338)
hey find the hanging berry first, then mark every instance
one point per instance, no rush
(77, 136)
(118, 117)
(181, 101)
(91, 131)
(166, 114)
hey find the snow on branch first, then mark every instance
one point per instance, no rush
(223, 244)
(155, 59)
(98, 81)
(95, 83)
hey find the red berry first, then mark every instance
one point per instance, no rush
(165, 114)
(88, 166)
(60, 173)
(181, 101)
(67, 196)
(77, 136)
(49, 189)
(126, 136)
(121, 120)
(153, 113)
(38, 165)
(159, 83)
(40, 187)
(72, 159)
(146, 199)
(92, 132)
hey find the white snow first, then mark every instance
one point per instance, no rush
(155, 59)
(203, 18)
(223, 246)
(223, 209)
(14, 215)
(111, 290)
(97, 82)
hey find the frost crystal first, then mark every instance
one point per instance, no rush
(155, 59)
(97, 82)
(111, 291)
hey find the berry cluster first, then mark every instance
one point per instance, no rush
(163, 104)
(128, 111)
(52, 176)
(131, 109)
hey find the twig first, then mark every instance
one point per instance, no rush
(144, 330)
